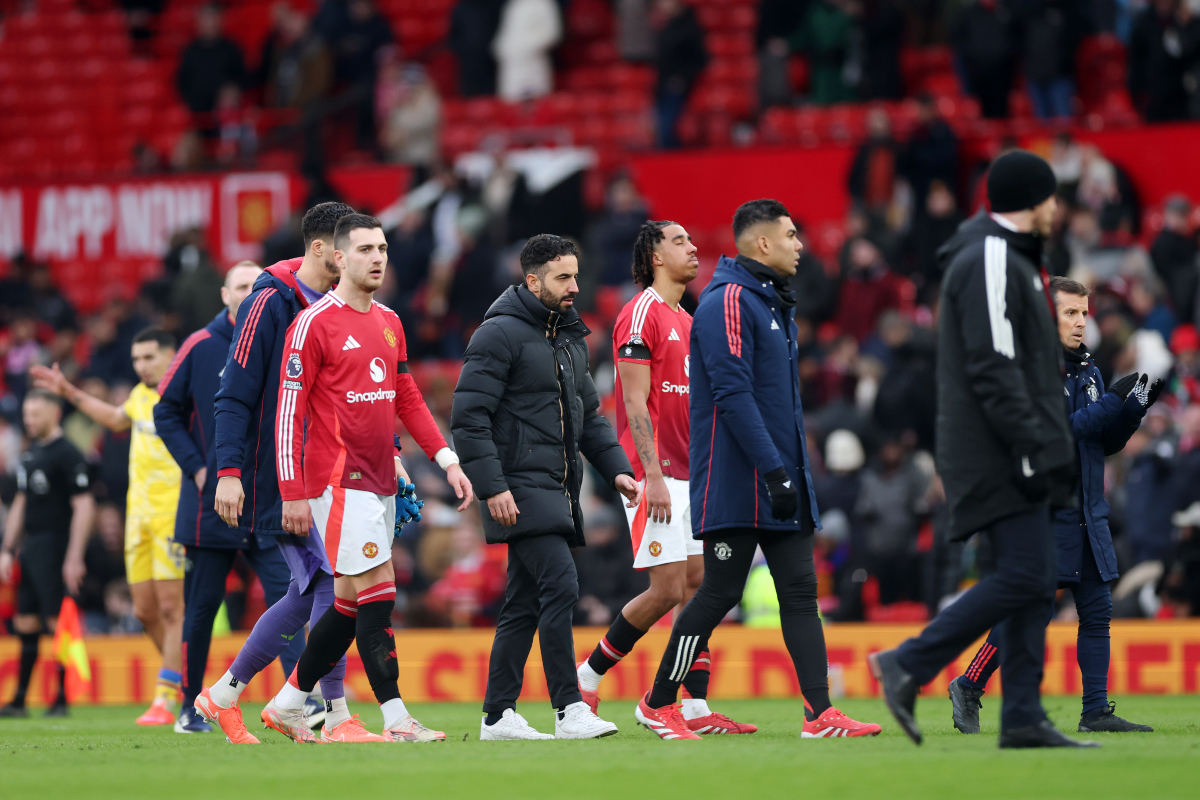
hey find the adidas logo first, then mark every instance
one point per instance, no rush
(674, 337)
(787, 484)
(774, 325)
(350, 344)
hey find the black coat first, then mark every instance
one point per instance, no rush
(1000, 377)
(524, 366)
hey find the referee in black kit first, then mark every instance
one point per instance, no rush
(1004, 449)
(50, 519)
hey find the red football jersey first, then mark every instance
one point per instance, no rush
(345, 374)
(649, 332)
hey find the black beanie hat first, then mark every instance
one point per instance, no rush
(1019, 180)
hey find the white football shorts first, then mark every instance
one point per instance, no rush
(657, 543)
(358, 528)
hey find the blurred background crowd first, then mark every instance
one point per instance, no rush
(469, 93)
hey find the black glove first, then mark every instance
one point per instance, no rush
(1146, 395)
(1123, 387)
(1034, 484)
(784, 500)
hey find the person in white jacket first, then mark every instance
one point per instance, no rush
(529, 29)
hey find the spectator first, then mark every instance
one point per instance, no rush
(816, 289)
(869, 287)
(882, 25)
(931, 154)
(196, 294)
(1051, 32)
(1163, 47)
(607, 579)
(777, 20)
(872, 179)
(208, 63)
(20, 349)
(237, 128)
(473, 26)
(529, 30)
(825, 36)
(984, 45)
(297, 68)
(16, 289)
(105, 561)
(47, 302)
(932, 227)
(614, 235)
(410, 114)
(1174, 256)
(907, 396)
(1150, 308)
(1150, 455)
(680, 57)
(469, 591)
(355, 40)
(891, 506)
(635, 36)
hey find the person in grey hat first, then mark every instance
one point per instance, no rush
(1004, 449)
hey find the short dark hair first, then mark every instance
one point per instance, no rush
(540, 250)
(45, 395)
(352, 222)
(1067, 286)
(648, 237)
(757, 212)
(320, 221)
(157, 335)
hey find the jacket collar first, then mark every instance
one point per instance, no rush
(282, 277)
(765, 274)
(1080, 355)
(729, 270)
(1028, 245)
(518, 301)
(221, 325)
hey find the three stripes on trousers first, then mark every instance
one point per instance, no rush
(684, 656)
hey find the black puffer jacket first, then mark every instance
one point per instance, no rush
(1000, 377)
(524, 365)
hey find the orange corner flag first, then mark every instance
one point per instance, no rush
(70, 651)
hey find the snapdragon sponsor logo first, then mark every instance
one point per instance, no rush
(371, 397)
(674, 388)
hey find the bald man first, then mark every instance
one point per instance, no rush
(184, 418)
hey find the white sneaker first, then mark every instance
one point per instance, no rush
(578, 722)
(511, 727)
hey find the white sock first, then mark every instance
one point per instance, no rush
(695, 709)
(394, 713)
(336, 712)
(589, 679)
(290, 697)
(227, 690)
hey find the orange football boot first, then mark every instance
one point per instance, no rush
(229, 720)
(352, 730)
(157, 714)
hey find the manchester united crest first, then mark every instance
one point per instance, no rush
(655, 549)
(370, 550)
(390, 336)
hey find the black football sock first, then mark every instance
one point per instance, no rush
(494, 717)
(695, 684)
(61, 700)
(376, 642)
(329, 640)
(615, 645)
(29, 657)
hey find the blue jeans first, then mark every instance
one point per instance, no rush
(669, 109)
(1051, 99)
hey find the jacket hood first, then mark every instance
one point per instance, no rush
(518, 301)
(282, 277)
(730, 271)
(221, 325)
(981, 225)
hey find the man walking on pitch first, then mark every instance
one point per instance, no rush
(1004, 449)
(184, 419)
(1102, 423)
(344, 383)
(46, 532)
(750, 484)
(650, 348)
(525, 409)
(154, 561)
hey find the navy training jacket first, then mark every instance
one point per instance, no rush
(744, 399)
(184, 418)
(1101, 423)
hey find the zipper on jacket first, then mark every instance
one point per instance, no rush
(551, 337)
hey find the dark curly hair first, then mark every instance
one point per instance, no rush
(540, 250)
(320, 220)
(649, 235)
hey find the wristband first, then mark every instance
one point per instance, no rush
(445, 458)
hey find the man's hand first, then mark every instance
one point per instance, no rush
(400, 471)
(464, 492)
(1147, 395)
(50, 378)
(658, 499)
(6, 567)
(1033, 483)
(73, 572)
(296, 515)
(201, 477)
(1123, 387)
(785, 501)
(632, 491)
(229, 499)
(502, 507)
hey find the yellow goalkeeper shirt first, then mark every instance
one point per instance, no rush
(154, 476)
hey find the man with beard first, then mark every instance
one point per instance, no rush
(525, 409)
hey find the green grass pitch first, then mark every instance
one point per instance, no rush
(100, 753)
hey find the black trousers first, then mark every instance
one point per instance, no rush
(204, 591)
(728, 556)
(1018, 592)
(541, 595)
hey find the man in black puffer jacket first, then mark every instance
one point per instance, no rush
(1004, 449)
(525, 409)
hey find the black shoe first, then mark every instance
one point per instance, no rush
(13, 711)
(899, 691)
(190, 721)
(966, 703)
(1044, 734)
(314, 712)
(56, 710)
(1106, 720)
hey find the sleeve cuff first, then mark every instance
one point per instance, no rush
(445, 458)
(231, 472)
